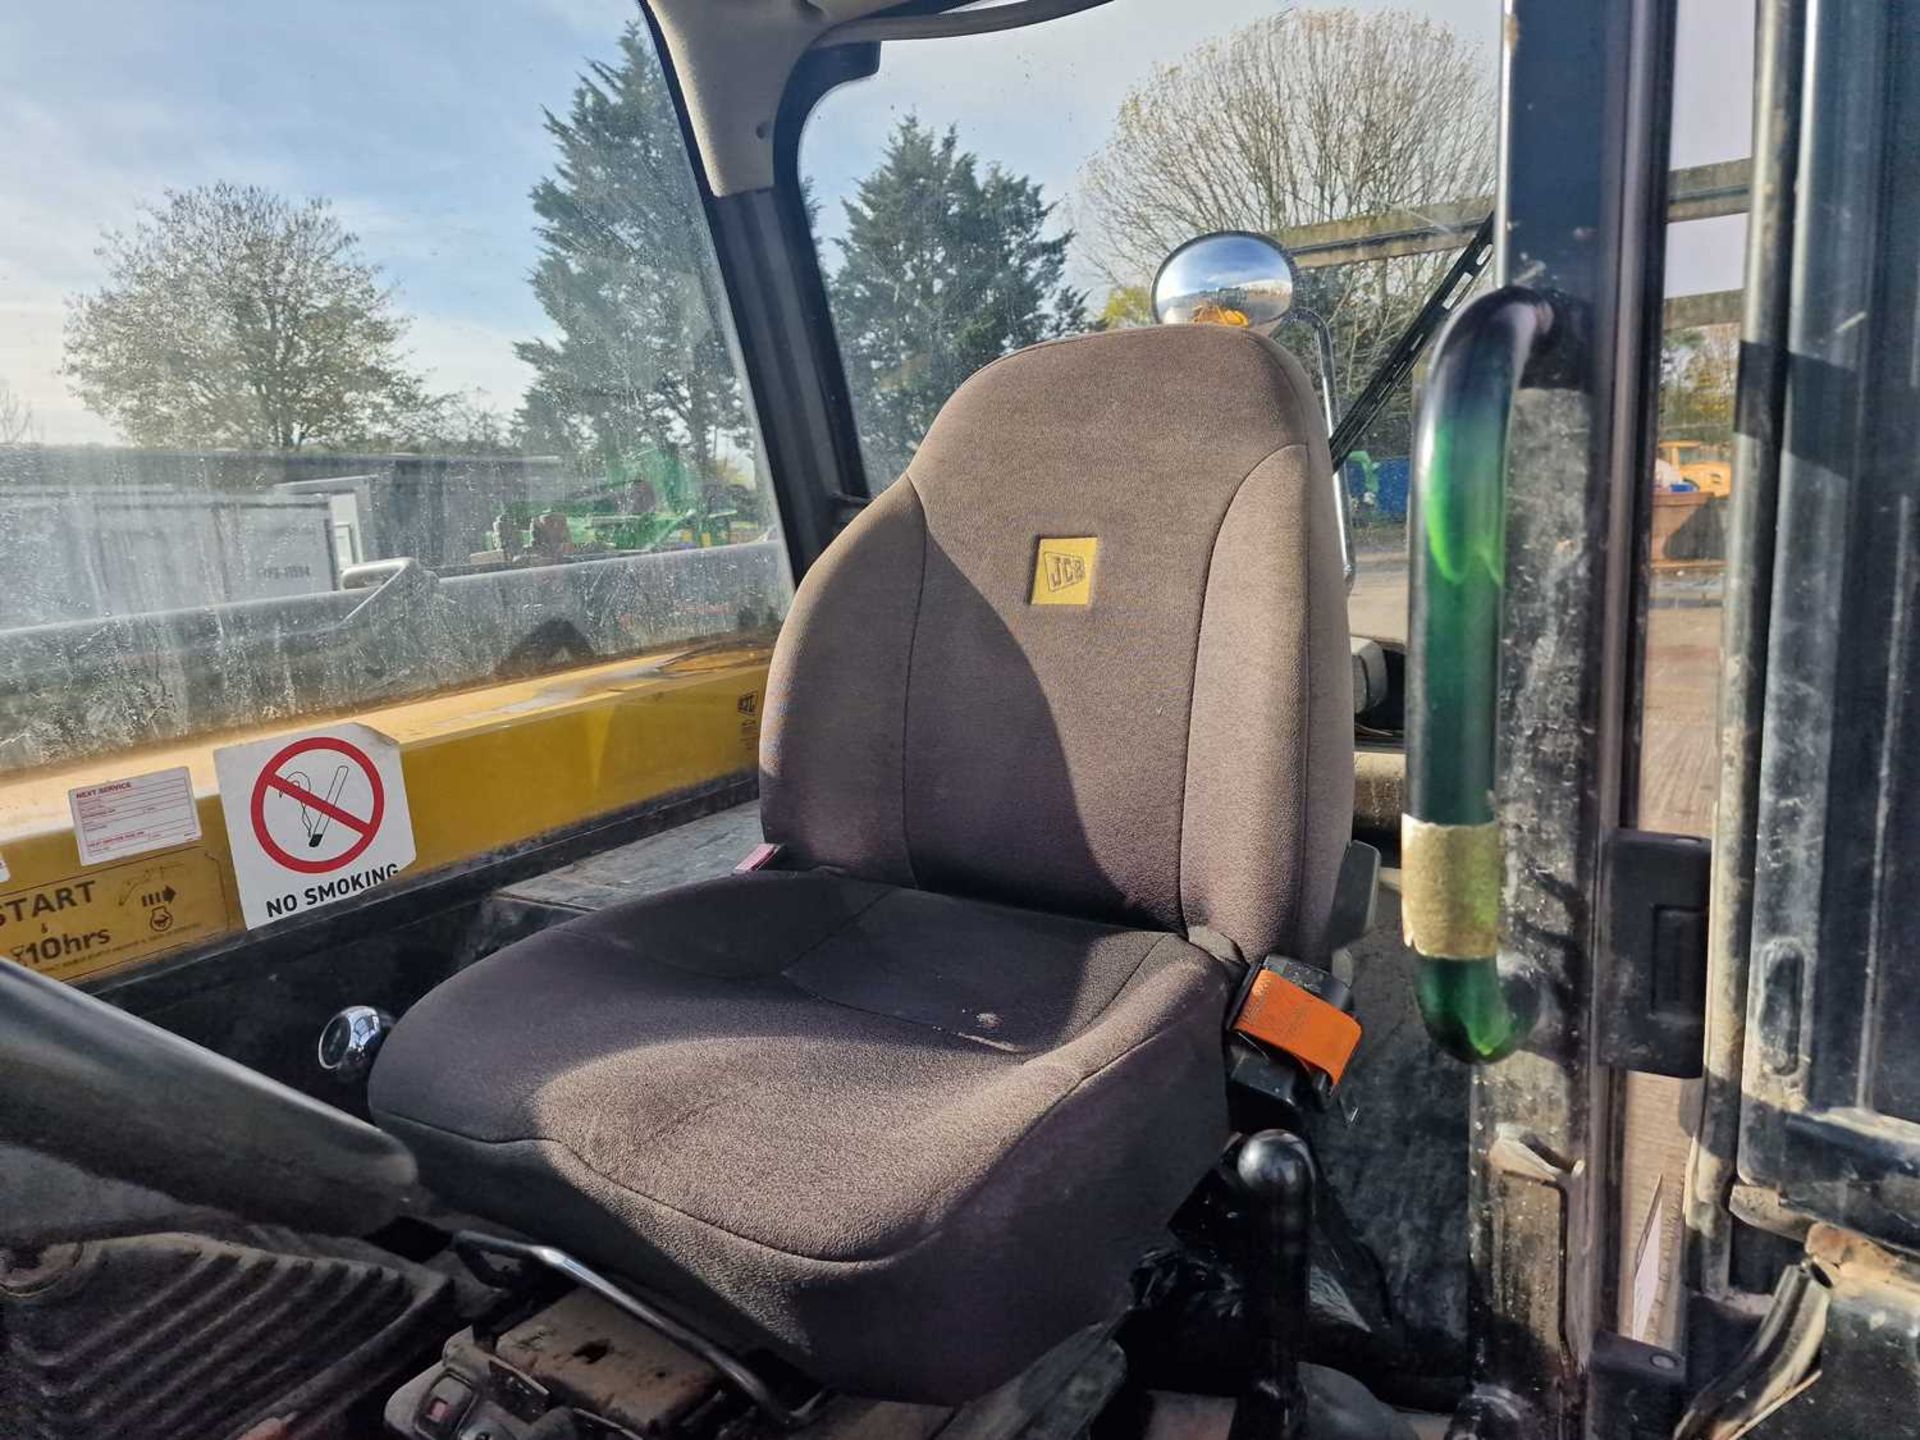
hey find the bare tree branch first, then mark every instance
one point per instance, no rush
(17, 426)
(1298, 118)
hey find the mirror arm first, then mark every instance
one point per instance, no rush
(1329, 407)
(1451, 863)
(1323, 344)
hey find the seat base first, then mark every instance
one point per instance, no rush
(906, 1140)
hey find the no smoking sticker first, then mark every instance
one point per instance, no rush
(313, 818)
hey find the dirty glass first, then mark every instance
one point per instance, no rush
(334, 374)
(1688, 495)
(978, 195)
(1689, 490)
(981, 194)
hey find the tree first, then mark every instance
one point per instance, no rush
(16, 418)
(1295, 119)
(943, 268)
(464, 423)
(640, 368)
(1699, 369)
(1128, 307)
(234, 317)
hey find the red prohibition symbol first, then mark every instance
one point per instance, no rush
(365, 827)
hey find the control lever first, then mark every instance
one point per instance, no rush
(1286, 1398)
(1275, 1173)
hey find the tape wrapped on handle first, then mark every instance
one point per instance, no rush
(1450, 889)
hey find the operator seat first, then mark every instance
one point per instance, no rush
(908, 1109)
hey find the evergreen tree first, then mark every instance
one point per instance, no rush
(943, 268)
(641, 372)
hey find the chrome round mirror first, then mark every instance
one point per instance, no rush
(1231, 277)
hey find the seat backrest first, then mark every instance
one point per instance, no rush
(1089, 654)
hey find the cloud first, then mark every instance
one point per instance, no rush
(58, 199)
(1040, 101)
(593, 18)
(423, 123)
(29, 364)
(463, 355)
(427, 144)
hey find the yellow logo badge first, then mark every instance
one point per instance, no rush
(1063, 571)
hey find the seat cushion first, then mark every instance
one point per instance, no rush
(907, 1140)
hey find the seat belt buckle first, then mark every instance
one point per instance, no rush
(758, 858)
(1279, 1012)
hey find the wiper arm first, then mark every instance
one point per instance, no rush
(1393, 370)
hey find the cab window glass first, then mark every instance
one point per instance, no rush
(333, 374)
(1688, 496)
(1690, 486)
(978, 195)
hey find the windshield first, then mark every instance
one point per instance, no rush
(981, 194)
(333, 374)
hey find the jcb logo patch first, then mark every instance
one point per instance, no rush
(1063, 571)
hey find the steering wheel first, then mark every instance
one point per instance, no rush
(122, 1098)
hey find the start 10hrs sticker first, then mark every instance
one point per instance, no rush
(313, 818)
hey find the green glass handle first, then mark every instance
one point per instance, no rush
(1450, 847)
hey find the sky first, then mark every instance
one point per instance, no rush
(421, 121)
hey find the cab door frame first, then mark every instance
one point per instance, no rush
(1581, 217)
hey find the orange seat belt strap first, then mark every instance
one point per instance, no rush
(1284, 1016)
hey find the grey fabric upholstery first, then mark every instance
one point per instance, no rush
(909, 1140)
(871, 1113)
(1177, 754)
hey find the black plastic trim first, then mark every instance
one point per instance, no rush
(1651, 1012)
(772, 280)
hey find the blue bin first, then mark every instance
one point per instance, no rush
(1391, 476)
(1394, 476)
